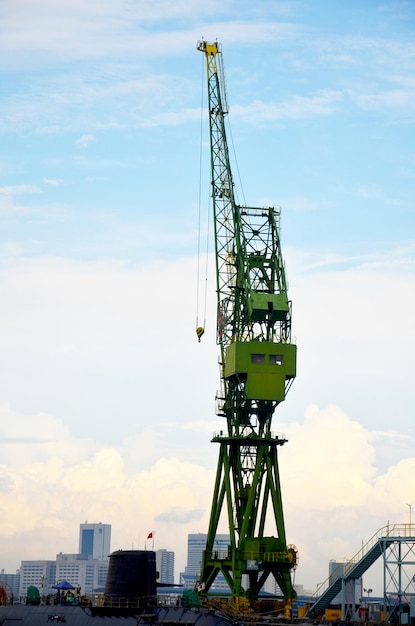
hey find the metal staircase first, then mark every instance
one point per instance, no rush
(359, 564)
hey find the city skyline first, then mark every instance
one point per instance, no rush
(107, 402)
(88, 571)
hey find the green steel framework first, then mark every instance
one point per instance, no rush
(258, 365)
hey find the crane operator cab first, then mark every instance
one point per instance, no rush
(266, 367)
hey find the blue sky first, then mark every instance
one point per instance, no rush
(103, 381)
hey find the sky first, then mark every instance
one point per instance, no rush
(107, 400)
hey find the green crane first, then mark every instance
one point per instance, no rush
(258, 365)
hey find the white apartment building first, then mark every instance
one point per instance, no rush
(40, 574)
(87, 573)
(82, 571)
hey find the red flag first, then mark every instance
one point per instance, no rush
(150, 536)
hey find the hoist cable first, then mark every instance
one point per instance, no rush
(206, 260)
(200, 329)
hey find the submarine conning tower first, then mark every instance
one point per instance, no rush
(131, 578)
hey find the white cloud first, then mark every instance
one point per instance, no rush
(84, 141)
(7, 206)
(392, 99)
(28, 438)
(10, 202)
(340, 455)
(52, 182)
(64, 481)
(17, 190)
(98, 29)
(324, 102)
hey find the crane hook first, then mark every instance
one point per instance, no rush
(199, 332)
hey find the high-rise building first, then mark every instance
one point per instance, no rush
(196, 543)
(95, 540)
(165, 566)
